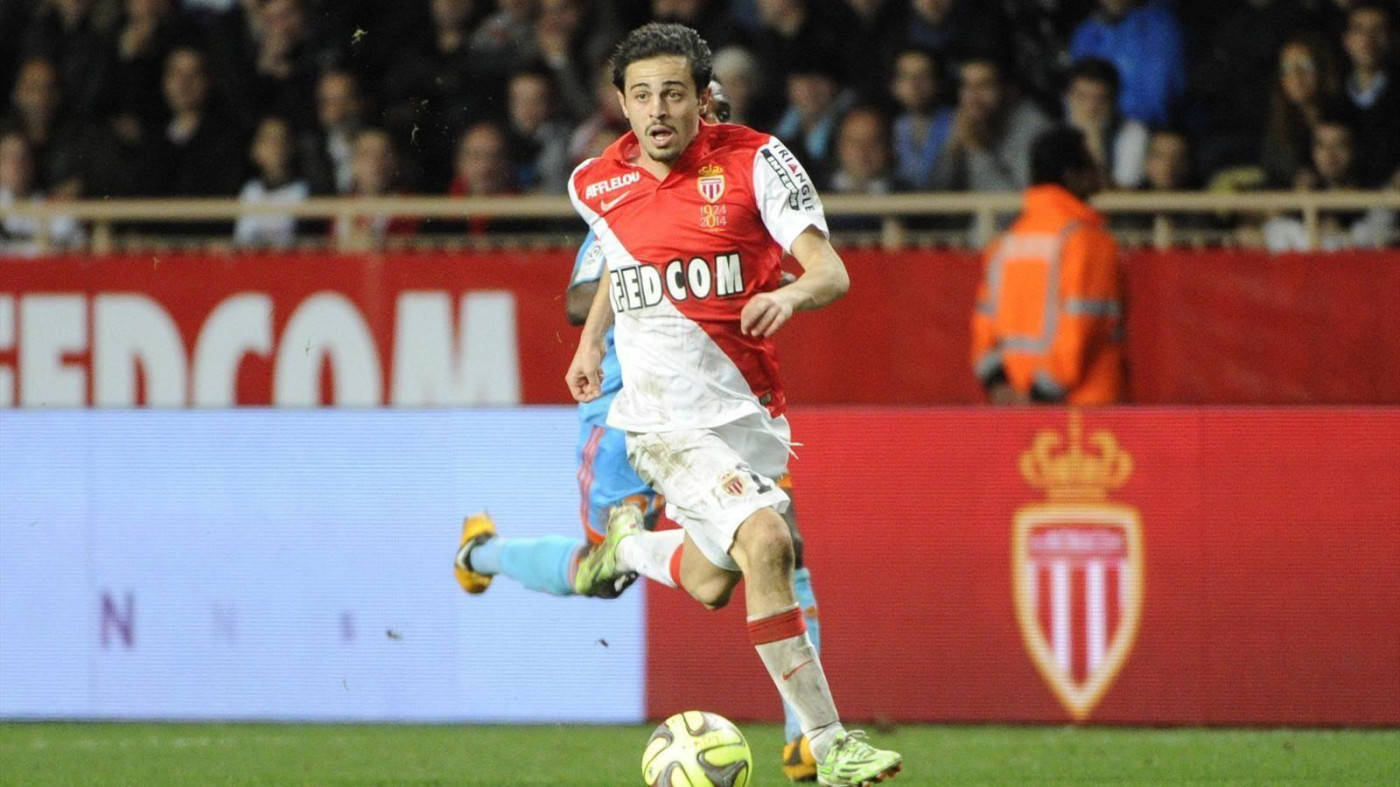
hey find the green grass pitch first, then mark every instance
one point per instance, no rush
(582, 756)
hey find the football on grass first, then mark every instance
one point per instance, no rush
(697, 749)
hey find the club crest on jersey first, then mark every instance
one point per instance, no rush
(732, 484)
(1077, 565)
(711, 182)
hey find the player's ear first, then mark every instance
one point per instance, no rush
(707, 100)
(622, 102)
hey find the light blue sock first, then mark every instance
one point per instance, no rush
(807, 601)
(486, 556)
(537, 563)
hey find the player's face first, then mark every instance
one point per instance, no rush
(662, 105)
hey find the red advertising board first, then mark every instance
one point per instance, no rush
(292, 330)
(1161, 566)
(440, 329)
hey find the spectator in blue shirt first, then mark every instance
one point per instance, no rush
(923, 126)
(1143, 41)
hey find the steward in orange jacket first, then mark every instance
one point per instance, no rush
(1048, 325)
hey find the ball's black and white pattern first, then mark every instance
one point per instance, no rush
(697, 749)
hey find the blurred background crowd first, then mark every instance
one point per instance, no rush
(276, 100)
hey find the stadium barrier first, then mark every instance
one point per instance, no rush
(895, 215)
(487, 328)
(1132, 565)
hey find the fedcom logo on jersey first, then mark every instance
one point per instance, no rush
(640, 286)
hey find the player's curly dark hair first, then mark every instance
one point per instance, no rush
(658, 38)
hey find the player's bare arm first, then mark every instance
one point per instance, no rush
(585, 374)
(823, 280)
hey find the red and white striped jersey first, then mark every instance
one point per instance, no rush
(686, 253)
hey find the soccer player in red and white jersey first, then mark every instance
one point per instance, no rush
(693, 219)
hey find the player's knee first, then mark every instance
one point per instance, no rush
(766, 541)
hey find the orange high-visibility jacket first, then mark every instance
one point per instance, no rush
(1049, 312)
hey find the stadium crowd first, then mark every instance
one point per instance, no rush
(277, 100)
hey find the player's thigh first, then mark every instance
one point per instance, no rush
(765, 444)
(710, 488)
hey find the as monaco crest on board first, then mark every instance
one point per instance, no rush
(711, 182)
(1077, 565)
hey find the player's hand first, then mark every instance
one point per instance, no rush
(585, 375)
(764, 314)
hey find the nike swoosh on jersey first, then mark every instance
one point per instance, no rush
(606, 205)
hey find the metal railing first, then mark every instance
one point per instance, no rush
(892, 214)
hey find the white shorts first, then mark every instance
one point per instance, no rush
(715, 478)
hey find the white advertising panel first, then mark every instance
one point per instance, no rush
(294, 564)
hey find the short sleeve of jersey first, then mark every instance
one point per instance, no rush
(787, 200)
(588, 265)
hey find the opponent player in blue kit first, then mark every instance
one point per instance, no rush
(609, 487)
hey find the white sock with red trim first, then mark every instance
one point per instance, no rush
(655, 555)
(781, 641)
